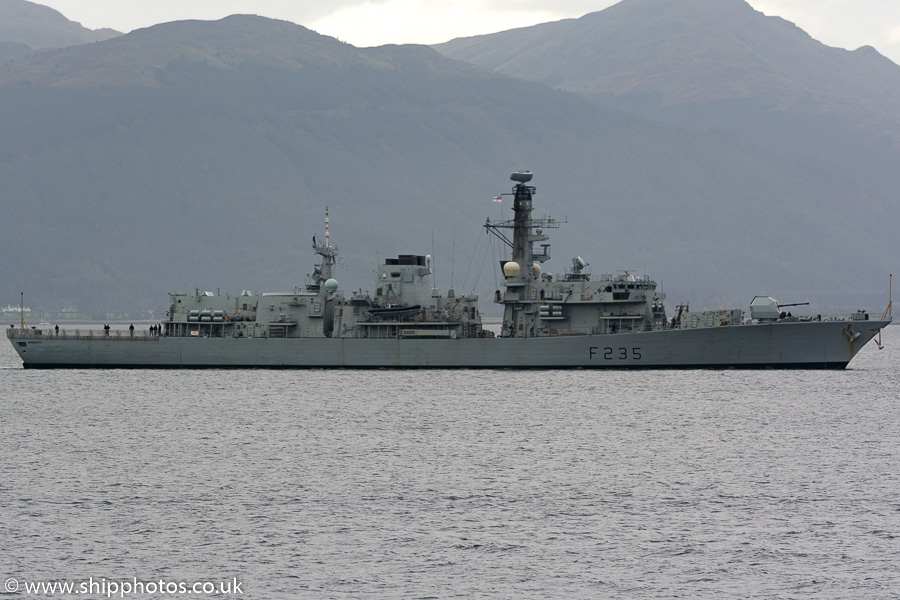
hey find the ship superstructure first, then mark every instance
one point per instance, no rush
(574, 320)
(537, 305)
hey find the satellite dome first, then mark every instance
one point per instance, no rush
(537, 269)
(511, 269)
(331, 286)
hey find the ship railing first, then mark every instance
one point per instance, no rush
(80, 334)
(550, 296)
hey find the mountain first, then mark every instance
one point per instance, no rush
(719, 65)
(697, 52)
(37, 27)
(139, 57)
(205, 153)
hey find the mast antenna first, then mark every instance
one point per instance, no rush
(327, 242)
(453, 257)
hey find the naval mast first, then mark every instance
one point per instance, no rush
(519, 318)
(323, 271)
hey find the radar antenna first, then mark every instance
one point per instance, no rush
(522, 242)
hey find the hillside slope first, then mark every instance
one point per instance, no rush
(37, 27)
(697, 52)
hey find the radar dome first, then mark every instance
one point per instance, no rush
(331, 286)
(511, 269)
(537, 269)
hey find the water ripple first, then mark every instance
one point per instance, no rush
(468, 484)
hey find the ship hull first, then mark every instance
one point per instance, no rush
(807, 345)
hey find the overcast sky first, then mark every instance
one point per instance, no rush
(842, 23)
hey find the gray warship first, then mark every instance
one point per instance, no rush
(568, 321)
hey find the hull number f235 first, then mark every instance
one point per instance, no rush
(614, 353)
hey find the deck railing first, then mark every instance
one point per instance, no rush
(29, 333)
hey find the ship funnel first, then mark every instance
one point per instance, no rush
(522, 177)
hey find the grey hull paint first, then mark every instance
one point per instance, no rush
(823, 344)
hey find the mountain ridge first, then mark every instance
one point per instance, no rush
(226, 44)
(40, 27)
(694, 52)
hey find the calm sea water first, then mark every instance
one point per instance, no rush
(457, 484)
